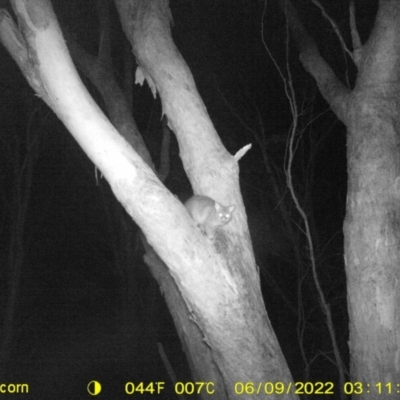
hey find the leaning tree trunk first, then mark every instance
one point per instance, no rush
(217, 280)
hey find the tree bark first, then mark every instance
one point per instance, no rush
(217, 280)
(372, 226)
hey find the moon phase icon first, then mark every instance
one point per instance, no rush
(94, 388)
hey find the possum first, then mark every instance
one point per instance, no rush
(208, 214)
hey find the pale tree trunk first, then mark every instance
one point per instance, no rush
(218, 281)
(371, 113)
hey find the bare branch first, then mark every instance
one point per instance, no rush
(335, 28)
(355, 37)
(333, 90)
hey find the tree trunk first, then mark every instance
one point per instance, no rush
(217, 280)
(372, 228)
(372, 233)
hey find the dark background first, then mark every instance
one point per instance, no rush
(69, 327)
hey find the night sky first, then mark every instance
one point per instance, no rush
(79, 315)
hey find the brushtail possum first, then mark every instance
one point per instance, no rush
(208, 214)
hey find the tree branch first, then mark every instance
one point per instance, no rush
(334, 92)
(335, 28)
